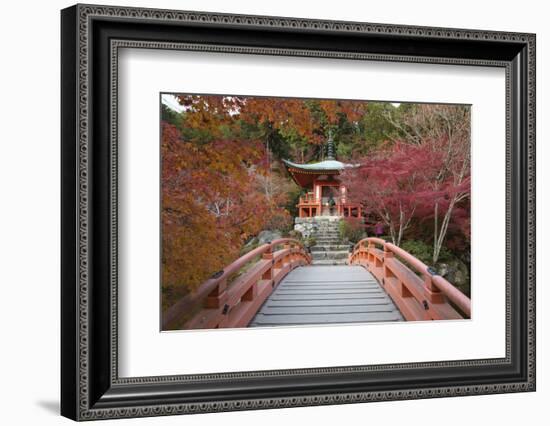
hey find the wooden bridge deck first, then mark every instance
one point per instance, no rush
(326, 295)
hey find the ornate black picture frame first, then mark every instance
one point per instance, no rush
(91, 36)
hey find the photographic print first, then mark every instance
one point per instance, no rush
(283, 212)
(293, 200)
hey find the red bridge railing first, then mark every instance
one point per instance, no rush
(222, 304)
(423, 295)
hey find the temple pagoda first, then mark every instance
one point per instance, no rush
(325, 194)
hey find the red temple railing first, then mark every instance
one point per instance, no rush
(222, 304)
(308, 198)
(423, 295)
(309, 206)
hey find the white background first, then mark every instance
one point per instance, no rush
(146, 352)
(29, 213)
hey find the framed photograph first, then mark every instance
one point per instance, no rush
(263, 212)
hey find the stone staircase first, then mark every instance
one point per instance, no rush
(328, 248)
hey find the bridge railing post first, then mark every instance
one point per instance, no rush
(293, 253)
(287, 260)
(278, 263)
(251, 293)
(218, 296)
(369, 256)
(434, 295)
(388, 254)
(268, 275)
(387, 272)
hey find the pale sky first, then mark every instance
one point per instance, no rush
(171, 102)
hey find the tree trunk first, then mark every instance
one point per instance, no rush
(439, 235)
(436, 227)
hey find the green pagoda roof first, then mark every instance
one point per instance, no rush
(327, 165)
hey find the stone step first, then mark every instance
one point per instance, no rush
(318, 255)
(330, 262)
(327, 241)
(331, 247)
(326, 246)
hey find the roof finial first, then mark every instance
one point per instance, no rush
(330, 146)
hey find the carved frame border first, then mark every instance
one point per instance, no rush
(85, 14)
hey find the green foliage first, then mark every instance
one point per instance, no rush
(418, 249)
(297, 235)
(309, 242)
(352, 230)
(252, 244)
(170, 116)
(167, 114)
(450, 266)
(424, 252)
(374, 127)
(293, 199)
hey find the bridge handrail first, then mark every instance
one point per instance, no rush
(213, 284)
(432, 280)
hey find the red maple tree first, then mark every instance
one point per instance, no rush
(407, 182)
(210, 206)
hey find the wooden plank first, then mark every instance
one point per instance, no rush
(327, 295)
(330, 302)
(300, 279)
(380, 294)
(262, 319)
(329, 287)
(284, 292)
(347, 309)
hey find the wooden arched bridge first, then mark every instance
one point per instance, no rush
(277, 285)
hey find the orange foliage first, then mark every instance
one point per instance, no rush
(209, 207)
(284, 113)
(213, 112)
(219, 190)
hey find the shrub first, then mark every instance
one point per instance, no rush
(352, 229)
(449, 266)
(279, 220)
(309, 242)
(423, 251)
(297, 235)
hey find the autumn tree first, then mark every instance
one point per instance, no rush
(445, 132)
(425, 174)
(221, 179)
(387, 184)
(210, 206)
